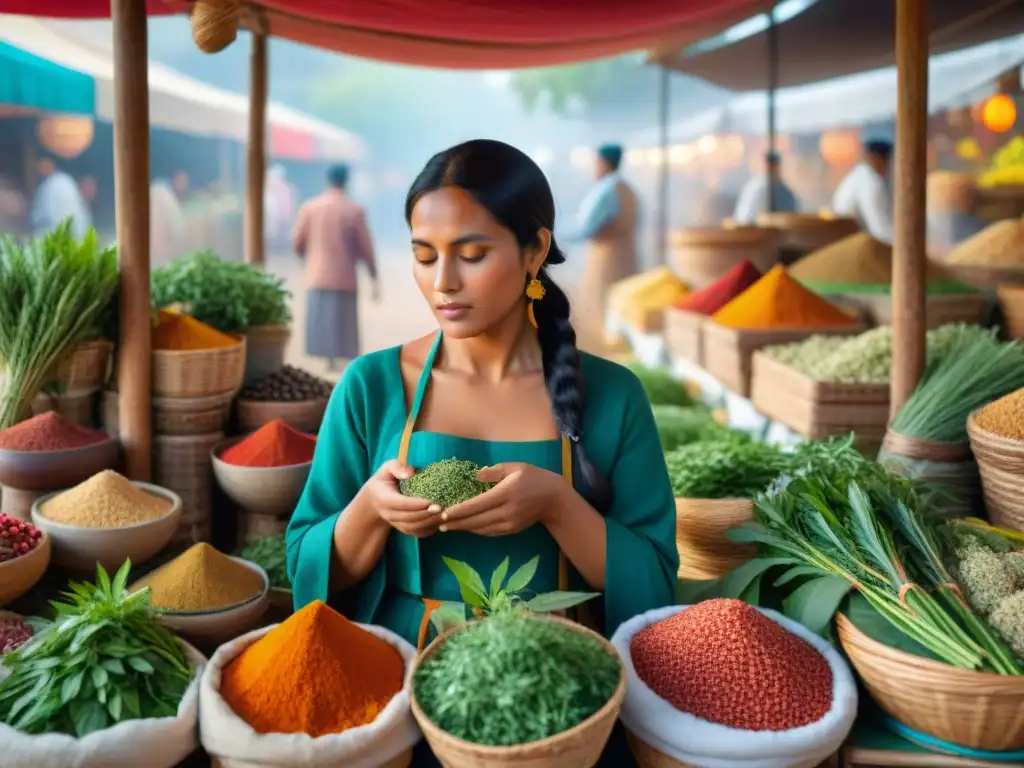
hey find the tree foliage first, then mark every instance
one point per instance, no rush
(589, 83)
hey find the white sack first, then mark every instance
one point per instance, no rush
(158, 742)
(692, 740)
(226, 736)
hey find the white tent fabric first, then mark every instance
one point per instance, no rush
(176, 102)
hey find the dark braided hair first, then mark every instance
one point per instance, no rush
(515, 191)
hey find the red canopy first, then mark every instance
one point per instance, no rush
(463, 34)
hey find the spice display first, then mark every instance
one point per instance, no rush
(55, 292)
(732, 466)
(105, 659)
(49, 431)
(105, 500)
(977, 369)
(446, 483)
(230, 296)
(270, 553)
(17, 537)
(182, 333)
(709, 300)
(316, 673)
(288, 385)
(14, 633)
(726, 662)
(275, 444)
(843, 518)
(1007, 165)
(679, 425)
(201, 579)
(1004, 417)
(661, 387)
(777, 301)
(999, 244)
(636, 298)
(547, 677)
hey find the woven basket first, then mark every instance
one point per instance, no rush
(1001, 466)
(704, 552)
(804, 233)
(305, 415)
(198, 373)
(85, 368)
(579, 747)
(972, 709)
(704, 255)
(938, 463)
(1011, 302)
(265, 347)
(182, 464)
(215, 24)
(176, 416)
(79, 408)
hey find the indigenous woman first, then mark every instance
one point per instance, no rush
(569, 439)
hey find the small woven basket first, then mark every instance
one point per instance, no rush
(704, 552)
(1001, 466)
(182, 465)
(579, 747)
(198, 373)
(215, 24)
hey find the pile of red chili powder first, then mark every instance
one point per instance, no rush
(726, 662)
(48, 432)
(712, 298)
(275, 444)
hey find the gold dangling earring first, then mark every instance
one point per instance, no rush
(535, 291)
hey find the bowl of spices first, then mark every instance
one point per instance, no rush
(292, 394)
(208, 596)
(107, 519)
(24, 557)
(49, 451)
(266, 471)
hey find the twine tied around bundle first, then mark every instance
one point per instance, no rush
(215, 24)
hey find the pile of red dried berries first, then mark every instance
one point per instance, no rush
(17, 538)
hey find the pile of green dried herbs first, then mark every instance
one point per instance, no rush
(446, 483)
(678, 425)
(662, 387)
(732, 466)
(511, 679)
(102, 660)
(271, 554)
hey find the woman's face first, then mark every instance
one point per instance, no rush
(469, 267)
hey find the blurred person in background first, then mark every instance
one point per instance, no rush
(607, 220)
(58, 198)
(864, 193)
(279, 204)
(754, 196)
(13, 207)
(166, 224)
(332, 235)
(181, 185)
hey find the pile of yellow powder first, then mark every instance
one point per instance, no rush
(105, 500)
(201, 579)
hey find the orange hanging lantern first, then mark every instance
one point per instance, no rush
(65, 136)
(839, 147)
(999, 113)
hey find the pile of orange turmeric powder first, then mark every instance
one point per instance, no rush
(174, 331)
(317, 673)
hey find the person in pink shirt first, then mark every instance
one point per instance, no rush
(332, 235)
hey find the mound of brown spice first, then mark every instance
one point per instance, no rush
(1004, 417)
(105, 500)
(49, 431)
(201, 579)
(726, 662)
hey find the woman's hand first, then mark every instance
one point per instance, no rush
(414, 517)
(524, 495)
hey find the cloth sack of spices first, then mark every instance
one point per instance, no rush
(158, 742)
(697, 741)
(234, 743)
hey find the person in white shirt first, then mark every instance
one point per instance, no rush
(754, 197)
(57, 198)
(864, 193)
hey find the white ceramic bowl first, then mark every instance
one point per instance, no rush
(222, 624)
(79, 548)
(272, 491)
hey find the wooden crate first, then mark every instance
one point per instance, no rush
(728, 352)
(683, 337)
(818, 409)
(939, 310)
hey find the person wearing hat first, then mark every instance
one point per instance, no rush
(753, 198)
(864, 193)
(607, 221)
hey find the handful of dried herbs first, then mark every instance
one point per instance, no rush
(511, 678)
(446, 483)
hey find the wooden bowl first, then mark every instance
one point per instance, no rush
(269, 491)
(80, 548)
(50, 470)
(19, 575)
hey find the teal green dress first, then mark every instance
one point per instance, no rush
(363, 428)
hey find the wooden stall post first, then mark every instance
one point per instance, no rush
(131, 195)
(257, 149)
(909, 248)
(664, 171)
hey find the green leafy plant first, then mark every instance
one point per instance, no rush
(270, 553)
(661, 387)
(102, 660)
(504, 592)
(230, 296)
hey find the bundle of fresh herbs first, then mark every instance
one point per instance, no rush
(977, 370)
(732, 466)
(679, 425)
(446, 483)
(662, 387)
(230, 296)
(844, 523)
(55, 292)
(103, 659)
(270, 553)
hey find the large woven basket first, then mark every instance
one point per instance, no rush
(1001, 466)
(579, 747)
(85, 368)
(176, 415)
(182, 464)
(972, 709)
(198, 373)
(703, 255)
(704, 552)
(805, 232)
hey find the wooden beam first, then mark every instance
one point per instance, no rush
(131, 195)
(257, 150)
(909, 244)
